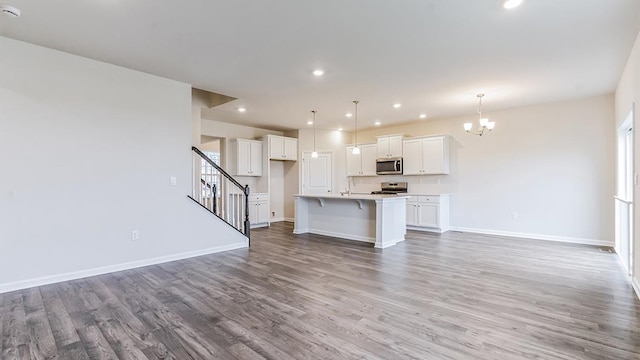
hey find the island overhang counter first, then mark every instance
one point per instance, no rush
(378, 219)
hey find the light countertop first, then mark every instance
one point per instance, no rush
(353, 196)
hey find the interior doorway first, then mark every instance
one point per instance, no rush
(317, 173)
(626, 180)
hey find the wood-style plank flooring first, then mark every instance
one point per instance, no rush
(450, 296)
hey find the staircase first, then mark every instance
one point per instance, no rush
(218, 192)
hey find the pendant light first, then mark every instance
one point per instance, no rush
(356, 149)
(314, 154)
(485, 124)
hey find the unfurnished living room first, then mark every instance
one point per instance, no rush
(418, 179)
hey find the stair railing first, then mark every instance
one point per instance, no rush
(219, 193)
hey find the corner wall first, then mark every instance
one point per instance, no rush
(87, 152)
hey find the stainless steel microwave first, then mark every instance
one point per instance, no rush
(389, 166)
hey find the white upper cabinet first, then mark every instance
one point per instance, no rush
(389, 146)
(363, 164)
(283, 148)
(426, 155)
(246, 157)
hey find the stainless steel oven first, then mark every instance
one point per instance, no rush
(390, 166)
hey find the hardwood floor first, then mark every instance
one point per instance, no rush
(449, 296)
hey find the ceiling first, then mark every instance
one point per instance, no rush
(432, 56)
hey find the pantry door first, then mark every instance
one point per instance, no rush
(317, 173)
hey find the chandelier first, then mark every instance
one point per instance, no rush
(485, 125)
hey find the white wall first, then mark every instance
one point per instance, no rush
(229, 131)
(552, 164)
(628, 94)
(87, 150)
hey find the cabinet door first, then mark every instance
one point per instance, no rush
(428, 214)
(412, 214)
(433, 156)
(253, 212)
(412, 161)
(290, 149)
(368, 155)
(243, 160)
(383, 147)
(395, 146)
(256, 159)
(354, 162)
(276, 146)
(263, 212)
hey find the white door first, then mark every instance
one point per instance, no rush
(395, 146)
(317, 173)
(244, 157)
(412, 161)
(354, 162)
(428, 215)
(433, 156)
(368, 159)
(256, 158)
(383, 147)
(276, 147)
(624, 195)
(290, 151)
(412, 213)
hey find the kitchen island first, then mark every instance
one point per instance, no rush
(378, 219)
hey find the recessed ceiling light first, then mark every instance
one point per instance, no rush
(309, 122)
(10, 11)
(241, 109)
(318, 72)
(349, 115)
(422, 116)
(397, 105)
(377, 123)
(510, 4)
(339, 129)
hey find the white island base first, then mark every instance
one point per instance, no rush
(378, 219)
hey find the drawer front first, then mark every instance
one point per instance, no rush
(429, 199)
(258, 197)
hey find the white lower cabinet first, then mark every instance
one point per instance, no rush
(259, 209)
(428, 212)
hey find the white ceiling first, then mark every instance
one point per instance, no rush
(433, 56)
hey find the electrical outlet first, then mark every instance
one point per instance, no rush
(514, 215)
(273, 214)
(135, 235)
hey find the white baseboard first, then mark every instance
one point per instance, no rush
(336, 234)
(535, 236)
(280, 219)
(426, 229)
(636, 286)
(25, 284)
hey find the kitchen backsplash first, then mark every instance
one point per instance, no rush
(428, 185)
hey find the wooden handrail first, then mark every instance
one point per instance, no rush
(244, 189)
(224, 173)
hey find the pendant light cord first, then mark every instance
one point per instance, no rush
(356, 115)
(314, 130)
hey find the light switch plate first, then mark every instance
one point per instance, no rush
(174, 181)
